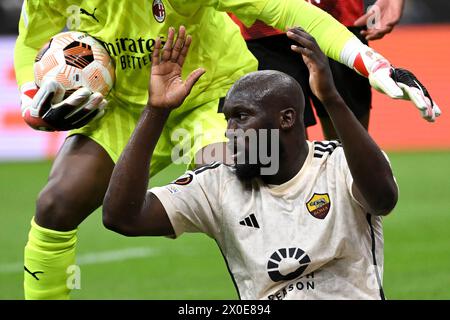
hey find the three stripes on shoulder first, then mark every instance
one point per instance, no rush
(323, 147)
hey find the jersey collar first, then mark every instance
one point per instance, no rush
(284, 188)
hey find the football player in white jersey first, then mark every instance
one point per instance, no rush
(311, 230)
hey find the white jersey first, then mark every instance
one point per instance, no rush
(305, 239)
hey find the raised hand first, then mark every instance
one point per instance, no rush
(395, 82)
(167, 89)
(320, 79)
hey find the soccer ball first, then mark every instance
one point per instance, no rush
(75, 59)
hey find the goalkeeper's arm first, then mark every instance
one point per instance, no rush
(341, 45)
(38, 23)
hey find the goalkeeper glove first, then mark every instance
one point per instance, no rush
(415, 91)
(48, 109)
(396, 83)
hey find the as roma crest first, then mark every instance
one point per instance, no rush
(159, 12)
(319, 205)
(184, 179)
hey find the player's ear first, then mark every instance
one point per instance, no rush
(288, 117)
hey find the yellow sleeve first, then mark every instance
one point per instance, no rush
(38, 23)
(246, 10)
(331, 35)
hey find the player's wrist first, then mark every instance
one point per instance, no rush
(331, 99)
(155, 113)
(27, 87)
(28, 90)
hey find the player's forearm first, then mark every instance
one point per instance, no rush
(334, 39)
(39, 21)
(128, 186)
(24, 55)
(331, 35)
(370, 170)
(23, 62)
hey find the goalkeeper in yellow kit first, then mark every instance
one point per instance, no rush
(129, 29)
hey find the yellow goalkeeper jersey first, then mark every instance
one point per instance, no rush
(128, 29)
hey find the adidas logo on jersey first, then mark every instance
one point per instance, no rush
(250, 221)
(323, 147)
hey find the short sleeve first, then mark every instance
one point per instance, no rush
(192, 202)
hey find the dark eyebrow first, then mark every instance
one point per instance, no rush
(234, 111)
(242, 107)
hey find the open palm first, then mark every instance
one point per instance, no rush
(167, 89)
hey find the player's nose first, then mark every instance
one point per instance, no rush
(231, 124)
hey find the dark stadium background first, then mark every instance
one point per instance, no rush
(417, 234)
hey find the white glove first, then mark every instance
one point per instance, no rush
(396, 83)
(415, 91)
(46, 109)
